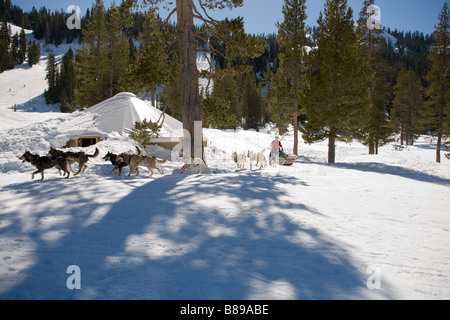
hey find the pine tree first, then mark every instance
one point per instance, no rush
(103, 60)
(5, 40)
(171, 93)
(92, 66)
(22, 47)
(216, 113)
(334, 97)
(15, 49)
(375, 128)
(152, 57)
(4, 54)
(266, 86)
(225, 89)
(289, 81)
(52, 94)
(68, 81)
(119, 19)
(408, 103)
(438, 110)
(251, 102)
(144, 131)
(47, 33)
(34, 52)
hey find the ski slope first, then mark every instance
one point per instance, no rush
(368, 227)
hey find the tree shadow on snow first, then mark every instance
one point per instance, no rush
(396, 171)
(223, 236)
(382, 168)
(36, 105)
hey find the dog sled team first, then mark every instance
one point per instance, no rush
(277, 156)
(62, 161)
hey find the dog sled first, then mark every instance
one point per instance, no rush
(287, 160)
(284, 159)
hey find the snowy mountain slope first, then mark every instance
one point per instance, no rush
(309, 231)
(24, 86)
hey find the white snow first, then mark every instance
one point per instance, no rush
(309, 231)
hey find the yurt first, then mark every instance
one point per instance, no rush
(121, 112)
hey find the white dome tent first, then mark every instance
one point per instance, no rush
(120, 113)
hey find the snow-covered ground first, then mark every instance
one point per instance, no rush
(368, 227)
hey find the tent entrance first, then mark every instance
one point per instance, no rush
(86, 142)
(83, 142)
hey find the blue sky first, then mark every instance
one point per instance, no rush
(260, 16)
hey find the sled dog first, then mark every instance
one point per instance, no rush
(134, 161)
(239, 159)
(259, 158)
(199, 166)
(73, 157)
(117, 164)
(44, 163)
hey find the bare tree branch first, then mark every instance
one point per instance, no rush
(206, 13)
(168, 18)
(214, 50)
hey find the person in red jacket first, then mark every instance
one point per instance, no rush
(275, 146)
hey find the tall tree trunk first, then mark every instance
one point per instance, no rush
(440, 123)
(371, 146)
(332, 145)
(439, 133)
(401, 134)
(295, 116)
(371, 91)
(111, 77)
(438, 148)
(191, 108)
(295, 151)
